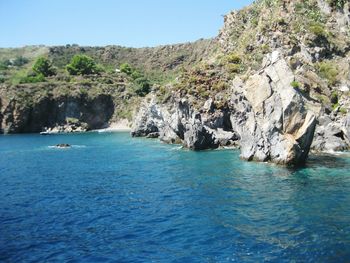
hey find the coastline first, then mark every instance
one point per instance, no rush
(119, 126)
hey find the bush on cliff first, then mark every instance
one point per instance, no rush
(43, 66)
(142, 87)
(23, 76)
(83, 65)
(126, 68)
(329, 71)
(32, 79)
(20, 61)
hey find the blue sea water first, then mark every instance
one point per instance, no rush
(111, 198)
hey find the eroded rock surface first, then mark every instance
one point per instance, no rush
(265, 116)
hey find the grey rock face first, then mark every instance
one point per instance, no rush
(347, 129)
(266, 115)
(148, 120)
(270, 116)
(179, 123)
(332, 135)
(55, 112)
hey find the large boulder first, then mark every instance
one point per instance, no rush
(270, 115)
(148, 120)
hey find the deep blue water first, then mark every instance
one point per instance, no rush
(112, 198)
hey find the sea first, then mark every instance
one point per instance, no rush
(113, 198)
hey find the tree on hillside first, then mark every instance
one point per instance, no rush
(142, 86)
(126, 68)
(44, 67)
(82, 65)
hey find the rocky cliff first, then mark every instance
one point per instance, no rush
(79, 113)
(266, 117)
(274, 82)
(283, 68)
(83, 105)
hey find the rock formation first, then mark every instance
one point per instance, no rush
(274, 83)
(266, 114)
(61, 114)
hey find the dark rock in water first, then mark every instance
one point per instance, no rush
(153, 135)
(63, 145)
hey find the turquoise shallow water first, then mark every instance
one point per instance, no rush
(112, 198)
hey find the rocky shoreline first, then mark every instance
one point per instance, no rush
(265, 116)
(274, 83)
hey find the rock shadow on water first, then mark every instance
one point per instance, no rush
(328, 161)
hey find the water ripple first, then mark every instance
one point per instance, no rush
(118, 199)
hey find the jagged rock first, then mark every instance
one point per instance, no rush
(225, 138)
(148, 120)
(347, 129)
(331, 135)
(178, 122)
(63, 145)
(266, 114)
(270, 116)
(198, 137)
(153, 135)
(55, 112)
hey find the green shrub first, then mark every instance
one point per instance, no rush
(20, 61)
(328, 71)
(2, 66)
(83, 65)
(32, 79)
(336, 3)
(142, 87)
(234, 68)
(309, 10)
(220, 86)
(234, 59)
(318, 30)
(334, 98)
(126, 68)
(295, 84)
(43, 66)
(136, 74)
(343, 110)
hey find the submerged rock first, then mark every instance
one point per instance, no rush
(63, 145)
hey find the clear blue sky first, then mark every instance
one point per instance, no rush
(134, 23)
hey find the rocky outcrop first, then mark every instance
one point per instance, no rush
(265, 114)
(62, 113)
(332, 134)
(271, 116)
(178, 122)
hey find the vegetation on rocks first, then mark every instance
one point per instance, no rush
(82, 65)
(43, 66)
(312, 36)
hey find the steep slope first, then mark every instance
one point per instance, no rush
(280, 65)
(276, 69)
(313, 36)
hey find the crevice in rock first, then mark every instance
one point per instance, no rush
(340, 135)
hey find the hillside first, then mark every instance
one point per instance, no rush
(293, 52)
(278, 83)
